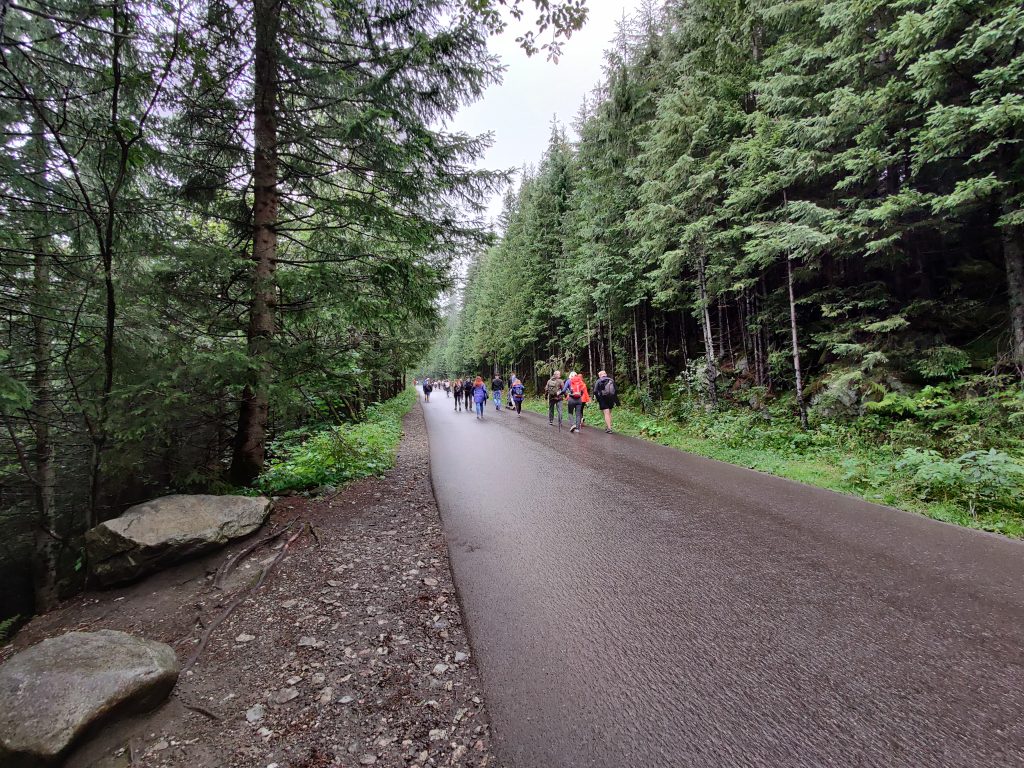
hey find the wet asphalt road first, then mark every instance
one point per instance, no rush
(632, 605)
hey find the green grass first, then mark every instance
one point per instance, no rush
(847, 458)
(318, 456)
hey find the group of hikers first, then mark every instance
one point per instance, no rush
(573, 391)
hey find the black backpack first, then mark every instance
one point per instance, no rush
(608, 390)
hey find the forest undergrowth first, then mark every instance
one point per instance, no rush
(952, 452)
(319, 455)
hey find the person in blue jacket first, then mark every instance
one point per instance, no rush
(479, 397)
(518, 392)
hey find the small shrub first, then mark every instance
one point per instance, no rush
(340, 454)
(931, 475)
(985, 481)
(943, 362)
(7, 627)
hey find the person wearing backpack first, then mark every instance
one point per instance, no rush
(578, 397)
(427, 389)
(518, 392)
(553, 392)
(607, 398)
(467, 393)
(497, 387)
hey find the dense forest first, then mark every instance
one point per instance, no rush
(222, 220)
(811, 210)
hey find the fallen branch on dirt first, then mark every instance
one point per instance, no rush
(241, 595)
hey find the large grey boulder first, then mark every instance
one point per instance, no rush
(53, 692)
(161, 532)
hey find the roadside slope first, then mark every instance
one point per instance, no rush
(352, 653)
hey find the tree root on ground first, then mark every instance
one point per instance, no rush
(244, 592)
(231, 562)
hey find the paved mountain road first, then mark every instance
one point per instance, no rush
(632, 605)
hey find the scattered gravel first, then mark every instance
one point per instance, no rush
(353, 653)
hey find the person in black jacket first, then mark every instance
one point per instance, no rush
(607, 398)
(497, 387)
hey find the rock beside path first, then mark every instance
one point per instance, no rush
(161, 532)
(51, 693)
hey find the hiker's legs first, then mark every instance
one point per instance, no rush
(497, 398)
(519, 406)
(551, 411)
(607, 418)
(579, 416)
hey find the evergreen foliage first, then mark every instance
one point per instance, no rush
(812, 205)
(224, 220)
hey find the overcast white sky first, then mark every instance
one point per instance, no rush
(519, 111)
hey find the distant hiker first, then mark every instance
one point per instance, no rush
(553, 392)
(497, 387)
(578, 398)
(447, 388)
(427, 389)
(518, 392)
(457, 389)
(467, 392)
(607, 398)
(479, 397)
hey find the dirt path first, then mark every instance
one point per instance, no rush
(351, 654)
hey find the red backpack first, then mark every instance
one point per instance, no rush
(576, 388)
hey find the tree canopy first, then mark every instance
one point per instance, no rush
(224, 219)
(819, 198)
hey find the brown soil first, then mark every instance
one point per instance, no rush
(354, 640)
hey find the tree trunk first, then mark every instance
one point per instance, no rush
(611, 345)
(721, 332)
(711, 371)
(742, 309)
(590, 348)
(107, 235)
(647, 351)
(253, 415)
(636, 349)
(728, 337)
(682, 340)
(46, 542)
(755, 339)
(1013, 254)
(796, 347)
(766, 342)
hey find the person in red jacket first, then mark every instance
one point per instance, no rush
(578, 398)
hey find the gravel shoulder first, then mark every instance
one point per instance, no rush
(352, 653)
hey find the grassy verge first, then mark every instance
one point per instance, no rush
(321, 456)
(977, 490)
